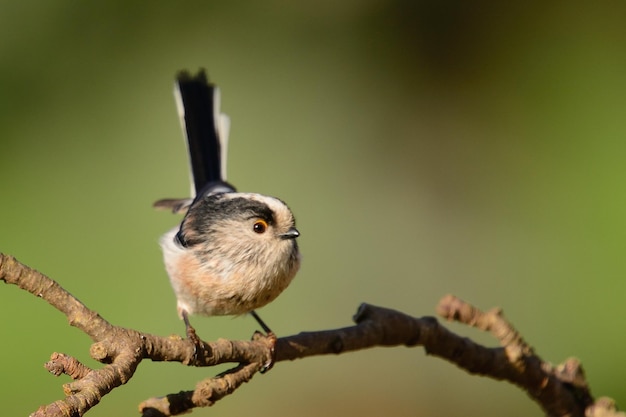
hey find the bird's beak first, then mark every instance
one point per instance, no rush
(292, 233)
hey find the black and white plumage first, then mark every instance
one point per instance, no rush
(233, 252)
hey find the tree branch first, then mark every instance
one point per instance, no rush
(560, 390)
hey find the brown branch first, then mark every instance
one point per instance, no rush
(560, 390)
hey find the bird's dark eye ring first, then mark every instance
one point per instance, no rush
(260, 226)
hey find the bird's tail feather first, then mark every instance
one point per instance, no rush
(205, 128)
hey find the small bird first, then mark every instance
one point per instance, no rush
(233, 252)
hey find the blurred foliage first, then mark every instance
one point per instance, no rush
(425, 147)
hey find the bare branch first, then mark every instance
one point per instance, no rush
(560, 390)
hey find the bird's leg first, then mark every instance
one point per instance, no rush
(198, 345)
(269, 335)
(266, 329)
(191, 332)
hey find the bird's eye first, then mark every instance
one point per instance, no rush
(260, 226)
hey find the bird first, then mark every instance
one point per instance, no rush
(233, 252)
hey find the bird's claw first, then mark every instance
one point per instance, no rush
(270, 340)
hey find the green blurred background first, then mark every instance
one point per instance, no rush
(425, 147)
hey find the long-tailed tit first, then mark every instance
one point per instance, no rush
(233, 252)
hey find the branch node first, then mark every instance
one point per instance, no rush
(336, 345)
(361, 313)
(61, 363)
(603, 407)
(571, 371)
(102, 352)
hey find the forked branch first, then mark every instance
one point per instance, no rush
(560, 390)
